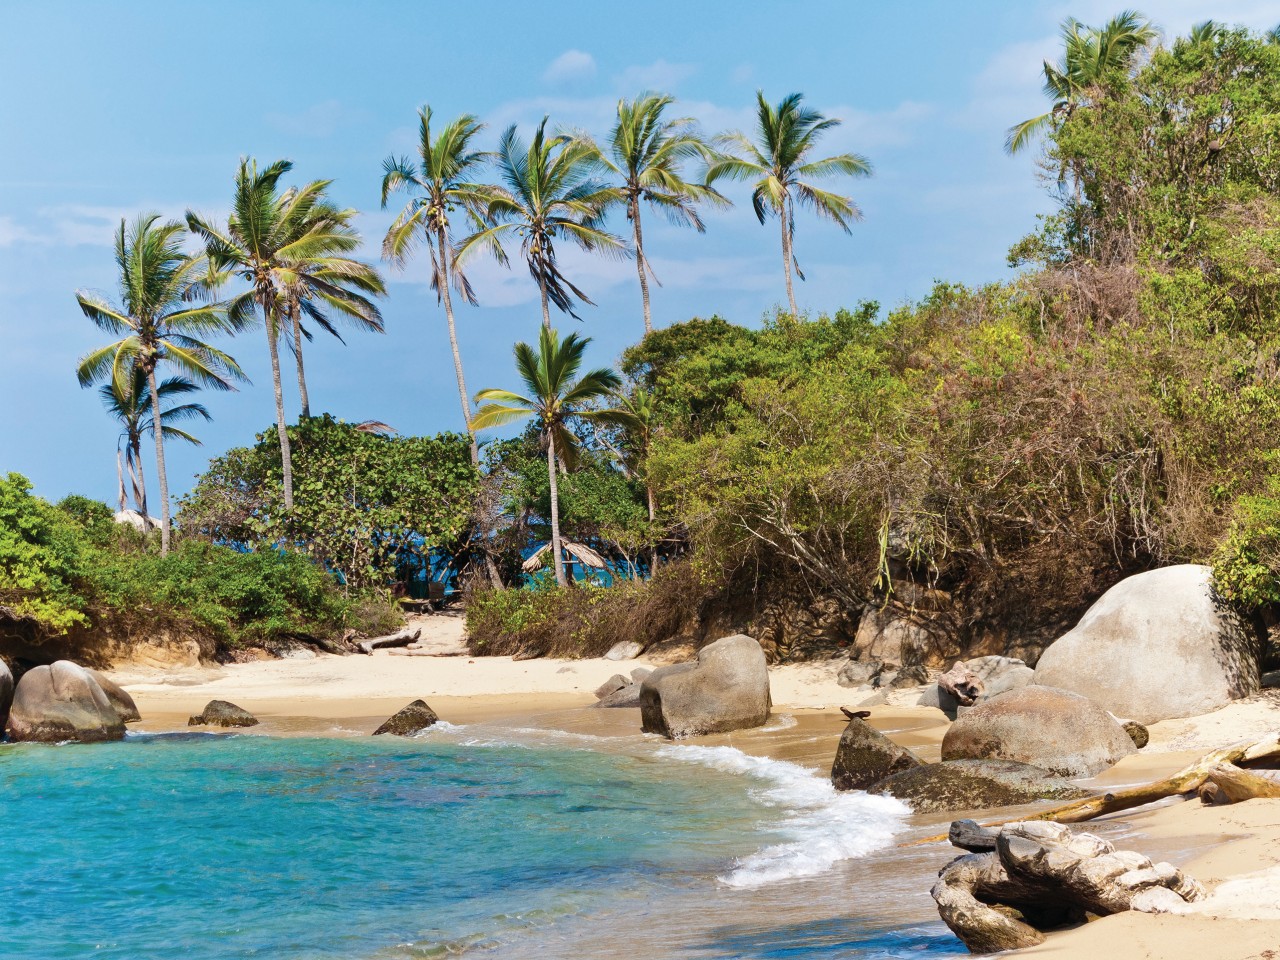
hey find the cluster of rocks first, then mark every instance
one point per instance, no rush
(63, 702)
(620, 691)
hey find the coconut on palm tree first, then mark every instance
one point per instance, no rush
(1090, 56)
(649, 153)
(289, 246)
(550, 192)
(161, 321)
(441, 182)
(130, 404)
(554, 393)
(781, 164)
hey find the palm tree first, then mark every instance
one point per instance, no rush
(648, 153)
(552, 397)
(550, 192)
(130, 404)
(779, 163)
(636, 413)
(161, 323)
(288, 245)
(441, 182)
(1090, 55)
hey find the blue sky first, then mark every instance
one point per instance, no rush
(109, 109)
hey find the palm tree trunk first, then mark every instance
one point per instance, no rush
(297, 352)
(120, 478)
(160, 471)
(555, 511)
(641, 265)
(786, 258)
(138, 476)
(653, 515)
(546, 311)
(286, 457)
(443, 243)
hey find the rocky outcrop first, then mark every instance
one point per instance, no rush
(1042, 875)
(1063, 733)
(866, 756)
(6, 695)
(223, 713)
(612, 685)
(416, 717)
(119, 698)
(62, 702)
(858, 673)
(974, 785)
(1156, 646)
(726, 688)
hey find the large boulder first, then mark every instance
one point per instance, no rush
(223, 713)
(412, 719)
(118, 696)
(726, 688)
(866, 756)
(1054, 730)
(6, 696)
(974, 785)
(62, 702)
(624, 650)
(1156, 646)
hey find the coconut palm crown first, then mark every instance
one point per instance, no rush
(553, 393)
(781, 164)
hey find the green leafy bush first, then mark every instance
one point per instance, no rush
(42, 556)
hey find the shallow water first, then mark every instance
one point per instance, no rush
(463, 841)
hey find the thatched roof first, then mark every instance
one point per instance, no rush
(579, 551)
(136, 520)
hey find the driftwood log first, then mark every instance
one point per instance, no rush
(963, 684)
(1219, 765)
(400, 639)
(1041, 876)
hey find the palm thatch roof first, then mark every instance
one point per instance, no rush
(579, 551)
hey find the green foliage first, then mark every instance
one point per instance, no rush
(41, 558)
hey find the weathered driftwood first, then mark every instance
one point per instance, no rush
(1187, 780)
(401, 639)
(971, 836)
(1048, 876)
(1239, 785)
(962, 683)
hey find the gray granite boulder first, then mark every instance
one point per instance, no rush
(1063, 733)
(223, 713)
(118, 696)
(974, 785)
(726, 688)
(1157, 646)
(612, 685)
(62, 702)
(628, 696)
(6, 696)
(415, 717)
(624, 650)
(856, 673)
(866, 756)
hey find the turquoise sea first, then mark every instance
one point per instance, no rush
(456, 843)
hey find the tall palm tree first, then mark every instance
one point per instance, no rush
(289, 246)
(636, 413)
(1090, 55)
(649, 153)
(130, 404)
(441, 181)
(780, 162)
(552, 396)
(161, 323)
(551, 191)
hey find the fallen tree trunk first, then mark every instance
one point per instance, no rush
(1186, 780)
(401, 639)
(1239, 785)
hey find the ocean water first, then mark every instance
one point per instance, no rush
(456, 843)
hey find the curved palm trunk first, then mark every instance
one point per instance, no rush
(641, 265)
(297, 352)
(786, 259)
(546, 311)
(286, 456)
(160, 470)
(137, 476)
(120, 479)
(555, 512)
(653, 515)
(443, 243)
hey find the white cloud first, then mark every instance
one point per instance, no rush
(13, 233)
(661, 75)
(570, 66)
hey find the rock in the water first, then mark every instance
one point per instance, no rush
(855, 673)
(62, 702)
(1040, 876)
(1137, 733)
(612, 685)
(221, 713)
(6, 695)
(1156, 646)
(974, 785)
(624, 650)
(119, 697)
(1054, 730)
(628, 696)
(726, 688)
(866, 756)
(416, 716)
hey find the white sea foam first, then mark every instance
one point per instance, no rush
(823, 826)
(784, 721)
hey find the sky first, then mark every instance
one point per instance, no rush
(109, 109)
